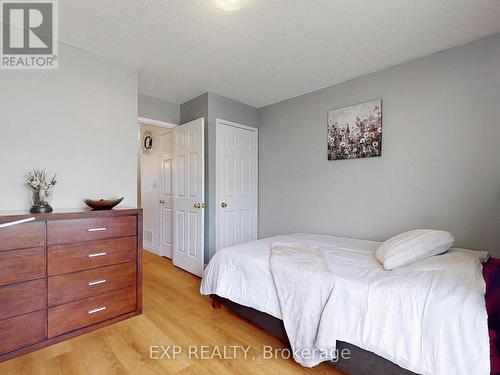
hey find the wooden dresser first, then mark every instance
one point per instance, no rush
(65, 274)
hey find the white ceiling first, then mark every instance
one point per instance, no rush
(271, 49)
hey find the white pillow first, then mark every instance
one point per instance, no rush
(408, 247)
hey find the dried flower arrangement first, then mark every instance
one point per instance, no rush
(41, 186)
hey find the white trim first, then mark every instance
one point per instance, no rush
(162, 124)
(218, 122)
(151, 248)
(236, 125)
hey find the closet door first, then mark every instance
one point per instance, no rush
(189, 196)
(237, 183)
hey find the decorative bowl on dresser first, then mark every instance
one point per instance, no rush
(65, 274)
(102, 204)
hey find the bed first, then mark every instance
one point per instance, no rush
(240, 278)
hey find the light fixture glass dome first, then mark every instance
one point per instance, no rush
(228, 5)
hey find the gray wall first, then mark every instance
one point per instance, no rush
(441, 158)
(211, 107)
(194, 108)
(231, 110)
(158, 109)
(79, 121)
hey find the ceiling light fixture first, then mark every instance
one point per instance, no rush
(228, 5)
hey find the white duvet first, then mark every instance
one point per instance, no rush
(428, 317)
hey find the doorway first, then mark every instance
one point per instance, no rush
(152, 142)
(171, 189)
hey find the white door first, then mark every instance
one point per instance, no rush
(189, 203)
(166, 195)
(237, 183)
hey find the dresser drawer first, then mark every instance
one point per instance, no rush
(22, 298)
(22, 265)
(22, 331)
(79, 314)
(78, 230)
(89, 255)
(22, 236)
(78, 285)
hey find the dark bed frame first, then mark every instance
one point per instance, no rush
(361, 362)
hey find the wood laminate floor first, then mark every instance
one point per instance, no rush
(174, 314)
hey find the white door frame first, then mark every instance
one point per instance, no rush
(150, 121)
(162, 124)
(219, 122)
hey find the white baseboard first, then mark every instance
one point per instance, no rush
(151, 248)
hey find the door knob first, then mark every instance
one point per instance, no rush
(162, 202)
(223, 204)
(197, 205)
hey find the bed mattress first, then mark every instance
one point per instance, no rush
(425, 336)
(241, 273)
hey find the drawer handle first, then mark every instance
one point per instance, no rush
(97, 282)
(22, 221)
(96, 255)
(93, 311)
(97, 229)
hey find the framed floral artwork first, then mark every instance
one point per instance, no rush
(355, 131)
